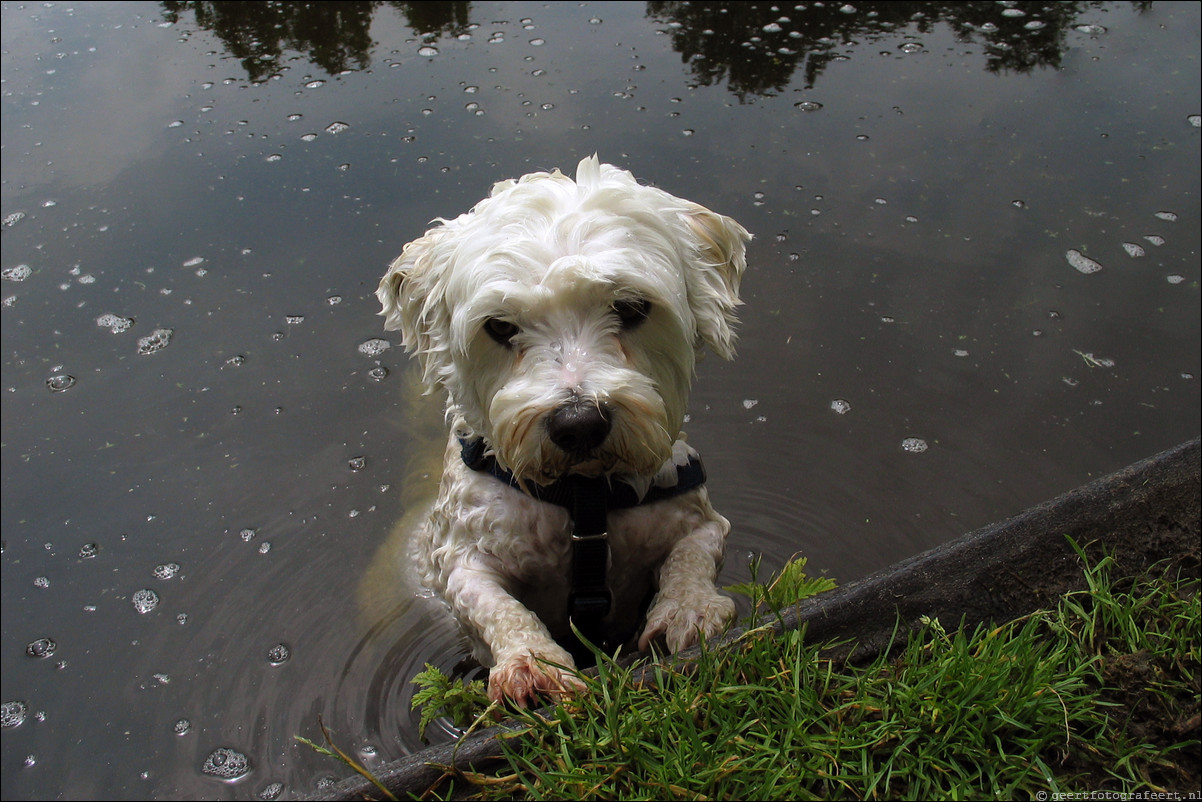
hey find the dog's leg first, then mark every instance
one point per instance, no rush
(527, 662)
(688, 605)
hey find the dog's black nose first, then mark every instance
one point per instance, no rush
(579, 426)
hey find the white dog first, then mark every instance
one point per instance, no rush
(562, 318)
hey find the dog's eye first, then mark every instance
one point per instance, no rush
(500, 330)
(632, 312)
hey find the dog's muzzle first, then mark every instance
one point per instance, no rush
(579, 426)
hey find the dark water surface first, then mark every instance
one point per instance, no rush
(931, 186)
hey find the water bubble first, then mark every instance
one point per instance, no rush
(1013, 12)
(264, 547)
(914, 445)
(273, 157)
(538, 42)
(337, 127)
(114, 323)
(1018, 204)
(12, 714)
(293, 117)
(41, 582)
(1174, 278)
(911, 47)
(314, 84)
(1169, 216)
(334, 300)
(166, 570)
(1035, 25)
(60, 382)
(145, 600)
(236, 361)
(88, 550)
(194, 261)
(279, 654)
(428, 50)
(181, 619)
(308, 137)
(1155, 240)
(271, 791)
(226, 764)
(157, 340)
(12, 219)
(161, 678)
(182, 727)
(1133, 250)
(960, 352)
(840, 406)
(247, 535)
(378, 373)
(1082, 262)
(749, 403)
(1195, 120)
(374, 347)
(1091, 29)
(294, 320)
(807, 105)
(18, 273)
(1094, 361)
(41, 648)
(357, 463)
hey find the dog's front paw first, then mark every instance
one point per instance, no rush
(524, 678)
(681, 623)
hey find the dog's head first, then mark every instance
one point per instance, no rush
(563, 317)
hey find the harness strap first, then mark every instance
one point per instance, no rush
(618, 495)
(590, 599)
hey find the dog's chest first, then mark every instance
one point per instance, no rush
(639, 541)
(533, 541)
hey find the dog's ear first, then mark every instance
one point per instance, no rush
(713, 285)
(411, 297)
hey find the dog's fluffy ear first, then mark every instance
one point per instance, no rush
(411, 297)
(714, 286)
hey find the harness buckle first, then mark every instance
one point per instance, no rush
(579, 538)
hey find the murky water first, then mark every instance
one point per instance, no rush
(974, 285)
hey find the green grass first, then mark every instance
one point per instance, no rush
(1094, 695)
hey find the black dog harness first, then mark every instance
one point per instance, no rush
(588, 500)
